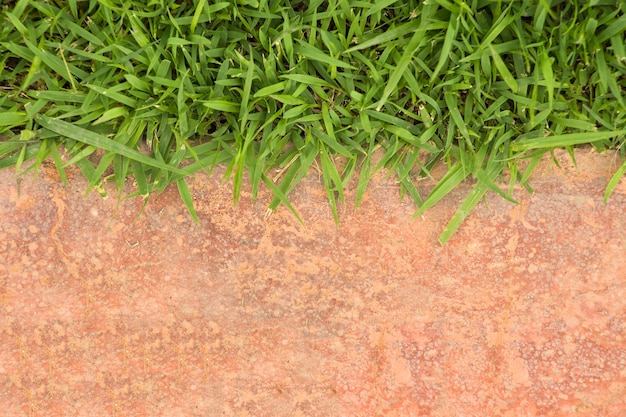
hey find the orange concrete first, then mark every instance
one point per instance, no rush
(104, 313)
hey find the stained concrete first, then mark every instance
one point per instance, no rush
(106, 310)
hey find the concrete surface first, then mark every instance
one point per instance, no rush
(107, 312)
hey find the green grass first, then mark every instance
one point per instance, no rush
(259, 84)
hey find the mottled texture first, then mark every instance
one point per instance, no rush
(107, 312)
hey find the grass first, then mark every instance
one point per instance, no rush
(260, 85)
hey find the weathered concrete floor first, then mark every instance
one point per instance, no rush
(522, 313)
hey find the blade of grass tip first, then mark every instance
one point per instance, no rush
(447, 46)
(502, 23)
(513, 175)
(13, 118)
(183, 110)
(238, 164)
(463, 211)
(216, 7)
(405, 135)
(20, 158)
(409, 187)
(570, 151)
(559, 141)
(391, 149)
(94, 176)
(96, 179)
(602, 70)
(330, 169)
(140, 178)
(73, 7)
(113, 95)
(80, 155)
(286, 174)
(414, 44)
(385, 37)
(17, 23)
(328, 123)
(329, 177)
(615, 179)
(331, 143)
(278, 193)
(554, 158)
(312, 53)
(548, 75)
(33, 71)
(451, 100)
(120, 172)
(618, 26)
(94, 139)
(58, 161)
(449, 182)
(222, 105)
(616, 90)
(83, 33)
(111, 114)
(578, 125)
(617, 43)
(196, 15)
(364, 178)
(307, 157)
(487, 179)
(19, 7)
(308, 80)
(242, 159)
(504, 72)
(378, 6)
(87, 169)
(185, 195)
(247, 86)
(58, 65)
(490, 183)
(270, 89)
(535, 158)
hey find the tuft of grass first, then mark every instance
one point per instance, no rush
(276, 86)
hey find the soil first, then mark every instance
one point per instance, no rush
(110, 310)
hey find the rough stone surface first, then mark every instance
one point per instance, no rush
(106, 310)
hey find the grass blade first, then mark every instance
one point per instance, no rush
(91, 138)
(558, 141)
(186, 197)
(615, 179)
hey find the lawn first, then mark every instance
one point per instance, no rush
(160, 90)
